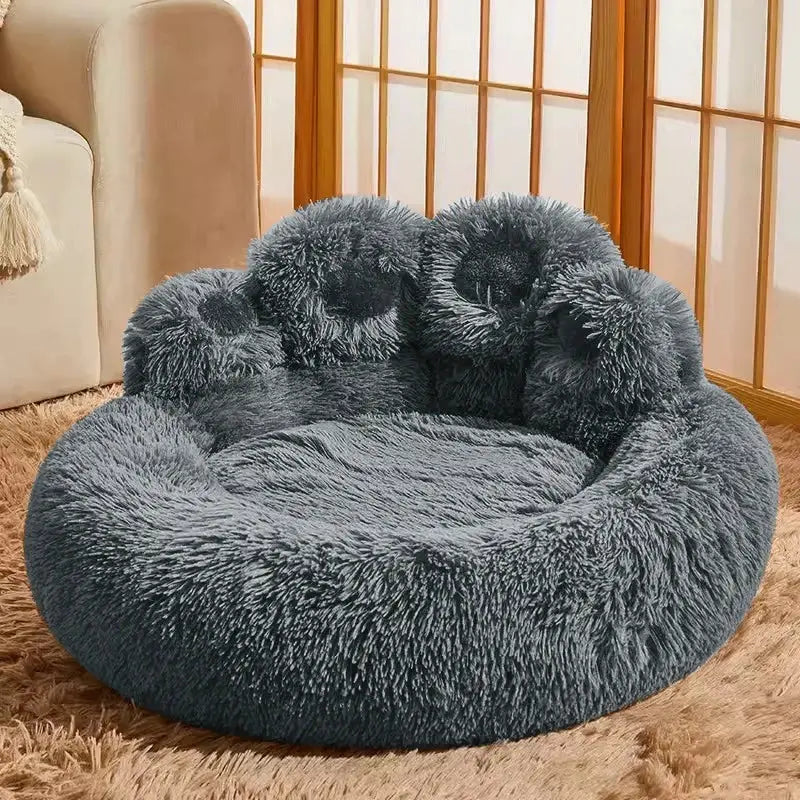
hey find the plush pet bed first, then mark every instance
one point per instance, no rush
(405, 483)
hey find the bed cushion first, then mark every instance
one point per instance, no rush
(420, 517)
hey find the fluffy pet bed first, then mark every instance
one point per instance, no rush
(405, 483)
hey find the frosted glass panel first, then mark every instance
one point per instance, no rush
(277, 142)
(789, 61)
(782, 355)
(459, 35)
(563, 149)
(359, 132)
(511, 41)
(676, 147)
(740, 54)
(508, 141)
(361, 32)
(407, 110)
(567, 35)
(408, 35)
(247, 8)
(732, 264)
(279, 35)
(456, 143)
(679, 50)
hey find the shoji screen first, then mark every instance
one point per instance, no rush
(275, 86)
(273, 30)
(442, 99)
(721, 170)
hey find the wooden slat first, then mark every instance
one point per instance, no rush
(328, 102)
(305, 155)
(258, 33)
(604, 124)
(275, 57)
(383, 92)
(337, 110)
(404, 73)
(561, 93)
(483, 101)
(767, 188)
(536, 110)
(430, 129)
(765, 405)
(704, 166)
(647, 139)
(732, 113)
(634, 104)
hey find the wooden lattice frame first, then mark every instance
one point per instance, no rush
(639, 106)
(621, 109)
(603, 99)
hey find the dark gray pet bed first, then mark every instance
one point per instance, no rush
(405, 483)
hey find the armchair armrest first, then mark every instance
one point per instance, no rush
(163, 92)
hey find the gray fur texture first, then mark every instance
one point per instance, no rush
(405, 483)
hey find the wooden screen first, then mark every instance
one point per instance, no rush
(676, 122)
(442, 99)
(429, 100)
(273, 26)
(276, 79)
(710, 189)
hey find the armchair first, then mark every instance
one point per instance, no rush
(139, 141)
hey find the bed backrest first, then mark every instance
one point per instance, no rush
(520, 309)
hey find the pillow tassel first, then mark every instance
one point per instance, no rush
(26, 238)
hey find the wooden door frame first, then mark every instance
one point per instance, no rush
(305, 112)
(603, 179)
(636, 136)
(317, 163)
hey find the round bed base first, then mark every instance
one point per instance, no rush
(487, 495)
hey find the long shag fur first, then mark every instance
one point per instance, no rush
(405, 483)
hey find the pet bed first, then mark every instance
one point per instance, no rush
(405, 483)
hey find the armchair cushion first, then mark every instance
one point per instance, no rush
(162, 90)
(52, 313)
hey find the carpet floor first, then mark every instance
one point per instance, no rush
(730, 730)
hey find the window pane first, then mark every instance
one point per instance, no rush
(673, 232)
(279, 35)
(781, 362)
(567, 35)
(408, 35)
(458, 39)
(456, 143)
(407, 110)
(359, 132)
(508, 141)
(679, 50)
(277, 141)
(361, 32)
(731, 267)
(740, 54)
(563, 149)
(511, 41)
(789, 60)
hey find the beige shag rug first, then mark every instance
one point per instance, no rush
(731, 730)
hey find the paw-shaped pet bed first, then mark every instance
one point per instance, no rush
(405, 483)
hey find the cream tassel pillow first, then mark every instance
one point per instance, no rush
(25, 235)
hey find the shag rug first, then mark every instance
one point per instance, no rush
(730, 730)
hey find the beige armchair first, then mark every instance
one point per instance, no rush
(140, 144)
